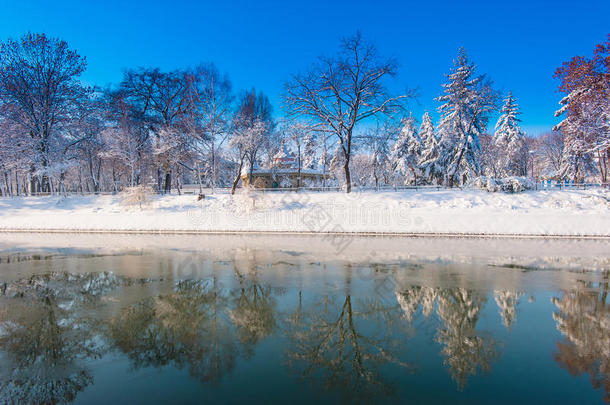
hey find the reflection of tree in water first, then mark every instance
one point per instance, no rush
(188, 328)
(507, 304)
(44, 338)
(253, 308)
(458, 311)
(253, 315)
(464, 350)
(343, 343)
(200, 325)
(583, 317)
(410, 300)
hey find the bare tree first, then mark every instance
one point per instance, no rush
(252, 124)
(163, 103)
(15, 155)
(298, 134)
(247, 140)
(39, 91)
(550, 148)
(378, 141)
(212, 100)
(343, 90)
(127, 140)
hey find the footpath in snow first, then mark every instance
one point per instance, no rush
(468, 212)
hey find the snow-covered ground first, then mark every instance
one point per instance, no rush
(574, 213)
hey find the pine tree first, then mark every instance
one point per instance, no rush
(405, 153)
(510, 139)
(467, 101)
(428, 163)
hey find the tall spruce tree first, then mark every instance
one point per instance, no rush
(406, 151)
(467, 102)
(510, 139)
(428, 162)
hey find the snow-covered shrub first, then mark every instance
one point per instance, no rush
(507, 185)
(138, 196)
(517, 184)
(485, 183)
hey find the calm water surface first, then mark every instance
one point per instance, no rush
(244, 319)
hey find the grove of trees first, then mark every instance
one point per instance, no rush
(163, 129)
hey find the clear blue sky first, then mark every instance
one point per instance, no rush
(261, 43)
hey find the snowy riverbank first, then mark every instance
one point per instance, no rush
(553, 213)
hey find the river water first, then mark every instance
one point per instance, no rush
(302, 319)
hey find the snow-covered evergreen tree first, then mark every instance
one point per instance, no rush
(467, 101)
(428, 163)
(405, 153)
(510, 139)
(577, 160)
(507, 305)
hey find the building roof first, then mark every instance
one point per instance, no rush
(284, 157)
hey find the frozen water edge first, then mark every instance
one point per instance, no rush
(519, 254)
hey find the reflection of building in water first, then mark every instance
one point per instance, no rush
(507, 306)
(583, 317)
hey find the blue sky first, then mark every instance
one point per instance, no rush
(261, 43)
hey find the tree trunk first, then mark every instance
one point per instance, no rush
(607, 163)
(251, 171)
(213, 163)
(6, 182)
(603, 166)
(299, 165)
(178, 186)
(199, 180)
(98, 181)
(241, 165)
(451, 179)
(132, 175)
(348, 179)
(46, 185)
(159, 181)
(63, 183)
(168, 182)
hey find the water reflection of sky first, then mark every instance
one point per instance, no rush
(252, 325)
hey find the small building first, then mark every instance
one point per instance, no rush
(284, 173)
